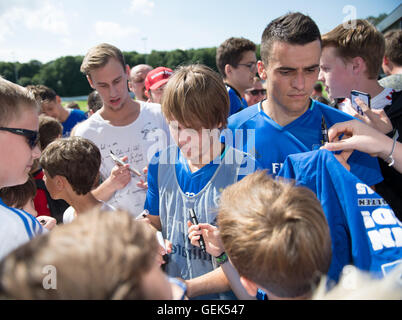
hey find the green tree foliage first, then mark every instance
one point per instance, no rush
(64, 76)
(376, 20)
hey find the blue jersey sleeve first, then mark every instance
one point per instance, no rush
(152, 199)
(236, 104)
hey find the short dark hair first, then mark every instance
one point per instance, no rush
(293, 28)
(318, 87)
(75, 158)
(94, 101)
(18, 196)
(393, 46)
(49, 130)
(42, 92)
(231, 52)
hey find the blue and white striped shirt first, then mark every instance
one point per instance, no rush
(16, 228)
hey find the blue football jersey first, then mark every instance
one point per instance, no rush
(191, 183)
(237, 103)
(364, 230)
(254, 132)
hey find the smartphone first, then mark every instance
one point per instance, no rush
(365, 97)
(121, 163)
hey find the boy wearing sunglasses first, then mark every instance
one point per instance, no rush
(256, 93)
(19, 124)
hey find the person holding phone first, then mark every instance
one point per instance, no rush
(351, 61)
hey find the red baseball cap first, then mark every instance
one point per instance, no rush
(157, 77)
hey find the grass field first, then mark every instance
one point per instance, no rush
(82, 103)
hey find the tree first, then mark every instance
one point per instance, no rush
(376, 20)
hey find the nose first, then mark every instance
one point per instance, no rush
(113, 91)
(321, 76)
(298, 82)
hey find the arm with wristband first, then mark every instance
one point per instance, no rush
(215, 248)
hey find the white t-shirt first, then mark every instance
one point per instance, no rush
(379, 102)
(16, 228)
(69, 214)
(139, 141)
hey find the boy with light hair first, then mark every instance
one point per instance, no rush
(132, 130)
(275, 235)
(104, 256)
(351, 60)
(19, 139)
(192, 173)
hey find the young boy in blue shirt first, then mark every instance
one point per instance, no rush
(192, 174)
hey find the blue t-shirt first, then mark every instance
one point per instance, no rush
(364, 230)
(75, 117)
(254, 132)
(237, 103)
(191, 183)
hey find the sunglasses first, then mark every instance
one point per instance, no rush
(256, 92)
(31, 136)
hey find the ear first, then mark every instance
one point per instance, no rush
(385, 60)
(358, 65)
(250, 286)
(228, 70)
(60, 183)
(90, 82)
(58, 100)
(261, 70)
(128, 71)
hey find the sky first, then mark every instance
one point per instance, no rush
(45, 30)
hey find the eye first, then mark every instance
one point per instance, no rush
(312, 70)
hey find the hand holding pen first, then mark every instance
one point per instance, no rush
(121, 163)
(194, 221)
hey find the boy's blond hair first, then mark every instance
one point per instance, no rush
(275, 234)
(362, 39)
(99, 56)
(14, 100)
(196, 97)
(102, 256)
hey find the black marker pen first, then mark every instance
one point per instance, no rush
(194, 220)
(324, 131)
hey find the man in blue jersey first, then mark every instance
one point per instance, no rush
(19, 139)
(192, 173)
(289, 121)
(237, 63)
(51, 106)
